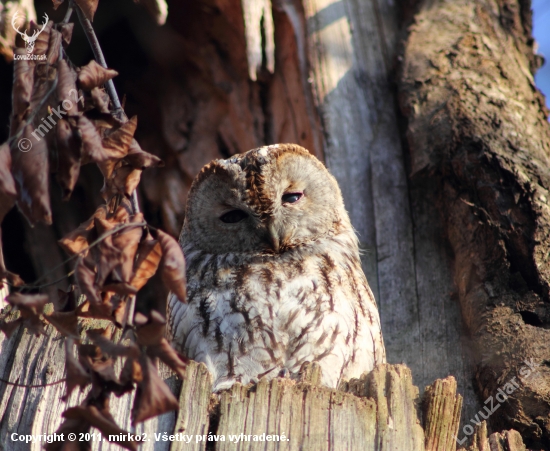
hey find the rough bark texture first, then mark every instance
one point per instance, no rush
(505, 441)
(353, 48)
(477, 127)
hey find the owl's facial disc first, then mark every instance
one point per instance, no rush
(301, 201)
(269, 200)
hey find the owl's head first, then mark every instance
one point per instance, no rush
(267, 200)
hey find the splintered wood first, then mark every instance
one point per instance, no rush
(506, 441)
(377, 412)
(193, 416)
(442, 407)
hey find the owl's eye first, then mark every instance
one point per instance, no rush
(290, 198)
(233, 216)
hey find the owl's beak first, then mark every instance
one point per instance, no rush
(274, 238)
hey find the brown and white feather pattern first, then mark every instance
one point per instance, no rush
(256, 308)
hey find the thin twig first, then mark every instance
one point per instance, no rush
(44, 285)
(111, 90)
(16, 384)
(119, 113)
(134, 201)
(69, 13)
(100, 58)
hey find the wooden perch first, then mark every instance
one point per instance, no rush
(506, 441)
(376, 412)
(442, 407)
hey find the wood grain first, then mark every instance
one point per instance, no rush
(377, 412)
(352, 47)
(442, 407)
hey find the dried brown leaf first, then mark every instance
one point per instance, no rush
(121, 288)
(97, 311)
(65, 322)
(77, 376)
(107, 168)
(77, 426)
(148, 259)
(140, 159)
(127, 240)
(169, 356)
(127, 179)
(172, 265)
(92, 149)
(108, 258)
(86, 281)
(42, 41)
(54, 47)
(102, 421)
(7, 184)
(10, 327)
(103, 226)
(93, 358)
(23, 80)
(66, 88)
(88, 7)
(124, 181)
(100, 99)
(153, 396)
(118, 141)
(8, 192)
(67, 300)
(110, 348)
(122, 213)
(80, 238)
(153, 331)
(13, 279)
(140, 319)
(28, 304)
(31, 307)
(31, 174)
(131, 371)
(68, 161)
(121, 312)
(66, 30)
(102, 368)
(93, 75)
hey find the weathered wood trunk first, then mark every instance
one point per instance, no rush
(479, 136)
(457, 212)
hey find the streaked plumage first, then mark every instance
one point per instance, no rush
(280, 282)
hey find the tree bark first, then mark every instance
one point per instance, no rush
(478, 135)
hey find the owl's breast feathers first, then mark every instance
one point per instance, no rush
(255, 315)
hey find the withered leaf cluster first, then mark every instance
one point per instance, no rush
(95, 366)
(117, 255)
(62, 118)
(60, 121)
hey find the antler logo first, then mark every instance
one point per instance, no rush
(29, 40)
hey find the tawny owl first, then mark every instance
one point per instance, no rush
(273, 272)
